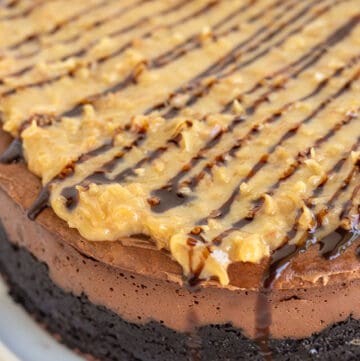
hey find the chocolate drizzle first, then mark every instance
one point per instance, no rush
(193, 182)
(293, 168)
(13, 153)
(170, 195)
(24, 12)
(219, 69)
(82, 51)
(41, 202)
(57, 27)
(225, 207)
(279, 261)
(128, 80)
(77, 108)
(194, 339)
(333, 245)
(179, 50)
(72, 197)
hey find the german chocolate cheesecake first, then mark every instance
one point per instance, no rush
(179, 180)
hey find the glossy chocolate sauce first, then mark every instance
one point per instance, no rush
(13, 153)
(41, 203)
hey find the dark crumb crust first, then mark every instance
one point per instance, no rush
(99, 332)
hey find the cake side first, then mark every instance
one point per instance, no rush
(93, 329)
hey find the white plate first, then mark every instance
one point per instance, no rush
(21, 339)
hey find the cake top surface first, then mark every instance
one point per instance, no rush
(222, 130)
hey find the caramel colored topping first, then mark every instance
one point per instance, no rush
(223, 130)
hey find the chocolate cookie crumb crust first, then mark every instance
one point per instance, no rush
(96, 330)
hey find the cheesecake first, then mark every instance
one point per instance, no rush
(179, 180)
